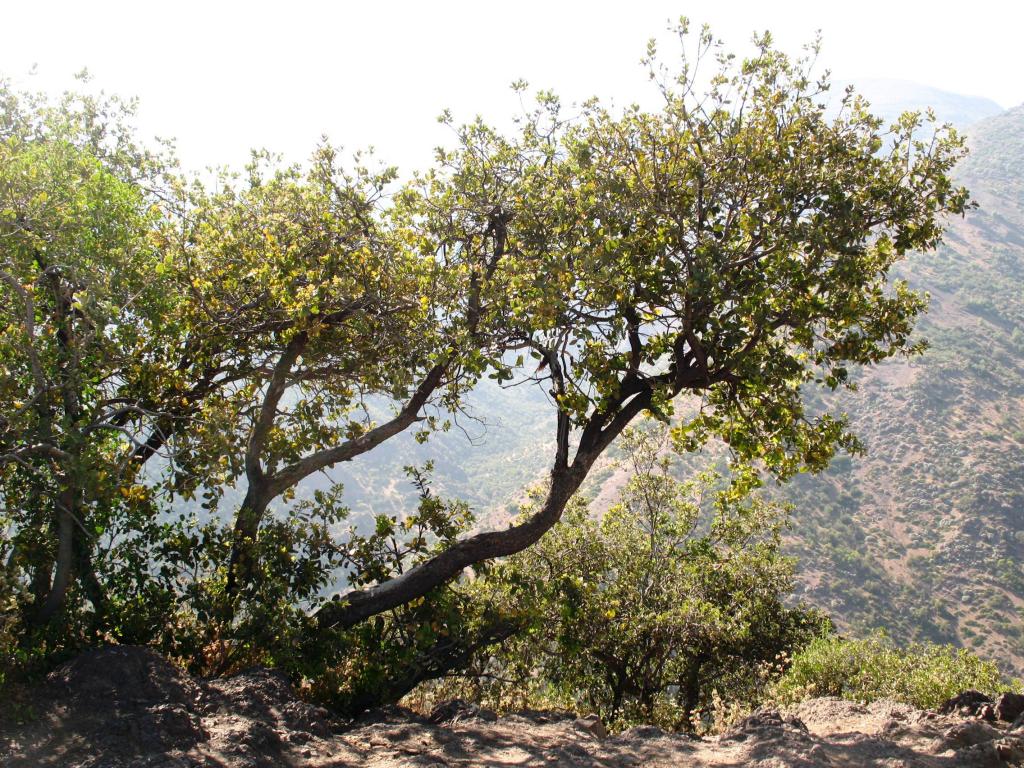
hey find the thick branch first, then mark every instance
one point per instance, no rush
(63, 573)
(41, 449)
(171, 420)
(295, 473)
(498, 229)
(268, 411)
(421, 579)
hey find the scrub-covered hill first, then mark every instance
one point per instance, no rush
(925, 535)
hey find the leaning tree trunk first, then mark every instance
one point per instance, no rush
(601, 429)
(357, 606)
(64, 565)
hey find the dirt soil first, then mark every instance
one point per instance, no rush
(124, 706)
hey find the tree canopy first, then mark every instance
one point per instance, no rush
(735, 246)
(161, 338)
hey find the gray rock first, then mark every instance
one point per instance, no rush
(969, 733)
(644, 733)
(819, 755)
(765, 724)
(1011, 749)
(457, 710)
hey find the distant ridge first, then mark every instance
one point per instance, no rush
(997, 157)
(891, 97)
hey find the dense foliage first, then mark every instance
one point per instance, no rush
(671, 599)
(924, 675)
(180, 359)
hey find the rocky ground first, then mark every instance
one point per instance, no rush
(124, 706)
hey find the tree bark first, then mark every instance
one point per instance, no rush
(67, 506)
(64, 565)
(86, 573)
(691, 688)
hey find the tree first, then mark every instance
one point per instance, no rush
(164, 341)
(306, 287)
(107, 383)
(87, 352)
(674, 593)
(734, 247)
(325, 291)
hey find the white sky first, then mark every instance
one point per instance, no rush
(222, 77)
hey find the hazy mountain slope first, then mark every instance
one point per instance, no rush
(890, 97)
(499, 447)
(926, 534)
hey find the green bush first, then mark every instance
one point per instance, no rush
(923, 675)
(666, 607)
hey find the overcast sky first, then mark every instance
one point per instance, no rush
(222, 77)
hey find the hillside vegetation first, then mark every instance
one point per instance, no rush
(600, 307)
(924, 535)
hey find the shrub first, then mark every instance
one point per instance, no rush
(661, 610)
(923, 675)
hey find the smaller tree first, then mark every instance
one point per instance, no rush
(642, 614)
(92, 372)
